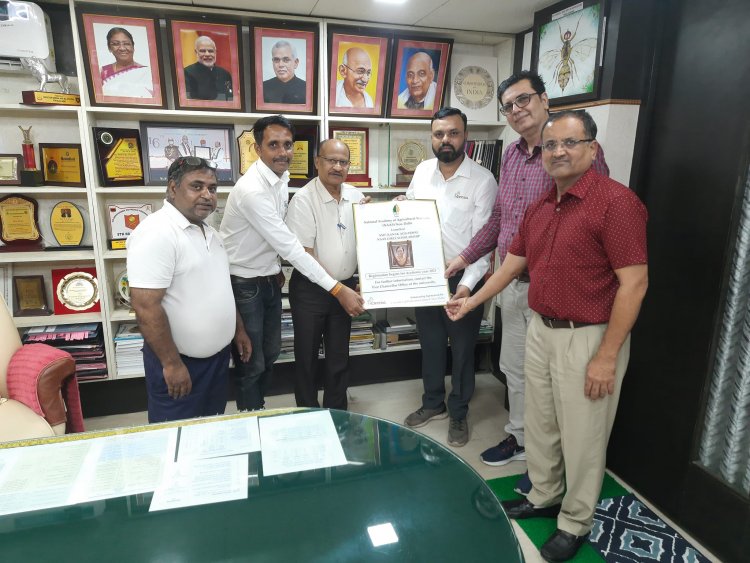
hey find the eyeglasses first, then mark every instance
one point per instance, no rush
(520, 102)
(567, 144)
(335, 161)
(359, 71)
(192, 161)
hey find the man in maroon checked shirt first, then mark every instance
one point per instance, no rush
(523, 180)
(584, 245)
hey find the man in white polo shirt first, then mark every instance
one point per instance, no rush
(321, 216)
(464, 192)
(179, 287)
(255, 236)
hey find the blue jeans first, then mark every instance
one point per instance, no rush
(259, 304)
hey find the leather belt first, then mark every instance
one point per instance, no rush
(549, 322)
(256, 279)
(523, 277)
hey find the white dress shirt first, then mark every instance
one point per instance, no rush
(464, 203)
(168, 251)
(326, 226)
(254, 231)
(429, 99)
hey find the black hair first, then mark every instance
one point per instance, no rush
(442, 113)
(260, 126)
(536, 82)
(122, 30)
(186, 164)
(589, 126)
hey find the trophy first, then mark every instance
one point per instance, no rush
(30, 175)
(41, 97)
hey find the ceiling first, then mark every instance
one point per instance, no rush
(495, 16)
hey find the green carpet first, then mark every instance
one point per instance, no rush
(539, 529)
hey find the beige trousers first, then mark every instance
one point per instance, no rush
(567, 433)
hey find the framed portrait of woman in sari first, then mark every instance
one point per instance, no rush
(121, 56)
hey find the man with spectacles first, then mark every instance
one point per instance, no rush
(463, 191)
(320, 215)
(523, 180)
(355, 70)
(179, 287)
(204, 79)
(584, 246)
(256, 237)
(420, 83)
(285, 87)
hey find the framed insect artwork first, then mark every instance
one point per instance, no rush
(566, 53)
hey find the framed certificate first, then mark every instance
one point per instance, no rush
(62, 164)
(400, 254)
(123, 218)
(119, 156)
(29, 296)
(76, 290)
(358, 141)
(10, 169)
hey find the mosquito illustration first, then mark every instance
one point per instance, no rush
(565, 65)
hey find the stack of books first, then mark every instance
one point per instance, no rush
(361, 337)
(83, 341)
(287, 336)
(487, 154)
(128, 346)
(395, 332)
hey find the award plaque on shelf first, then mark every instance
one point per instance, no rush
(123, 218)
(302, 167)
(29, 296)
(11, 166)
(119, 156)
(357, 139)
(409, 154)
(66, 222)
(246, 149)
(62, 164)
(19, 228)
(76, 290)
(39, 98)
(122, 289)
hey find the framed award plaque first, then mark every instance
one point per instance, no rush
(19, 227)
(29, 296)
(75, 290)
(119, 156)
(123, 218)
(10, 169)
(357, 139)
(62, 164)
(302, 167)
(246, 150)
(122, 289)
(66, 222)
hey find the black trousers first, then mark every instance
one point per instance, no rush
(435, 328)
(317, 315)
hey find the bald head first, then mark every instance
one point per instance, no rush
(355, 69)
(332, 163)
(419, 75)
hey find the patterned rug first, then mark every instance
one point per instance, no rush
(625, 530)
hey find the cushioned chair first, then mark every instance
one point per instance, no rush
(33, 379)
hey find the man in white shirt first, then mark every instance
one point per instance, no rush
(321, 216)
(464, 192)
(255, 236)
(355, 70)
(180, 290)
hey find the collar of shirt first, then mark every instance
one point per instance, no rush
(463, 170)
(325, 196)
(523, 147)
(577, 190)
(174, 214)
(269, 175)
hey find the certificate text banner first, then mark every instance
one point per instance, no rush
(400, 254)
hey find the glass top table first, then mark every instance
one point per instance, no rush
(439, 508)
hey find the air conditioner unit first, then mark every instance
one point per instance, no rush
(24, 32)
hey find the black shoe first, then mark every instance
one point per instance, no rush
(521, 509)
(562, 546)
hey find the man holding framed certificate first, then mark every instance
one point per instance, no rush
(463, 192)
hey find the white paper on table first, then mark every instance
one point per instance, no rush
(42, 476)
(125, 464)
(201, 481)
(413, 225)
(299, 442)
(217, 439)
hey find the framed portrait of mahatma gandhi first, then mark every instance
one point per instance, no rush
(206, 65)
(121, 57)
(418, 76)
(285, 69)
(358, 77)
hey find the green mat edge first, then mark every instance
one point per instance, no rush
(539, 529)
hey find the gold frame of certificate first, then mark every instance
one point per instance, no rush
(246, 150)
(123, 218)
(119, 156)
(76, 291)
(62, 164)
(19, 224)
(67, 224)
(302, 167)
(358, 141)
(10, 169)
(29, 296)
